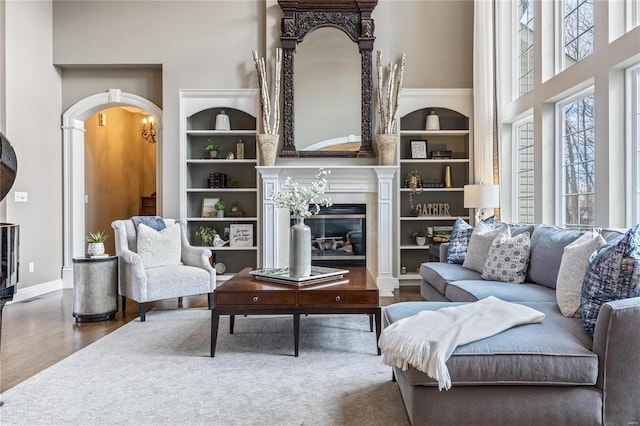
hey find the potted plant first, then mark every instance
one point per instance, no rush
(220, 206)
(96, 243)
(232, 183)
(212, 149)
(421, 236)
(207, 234)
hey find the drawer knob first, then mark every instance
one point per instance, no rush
(337, 298)
(255, 298)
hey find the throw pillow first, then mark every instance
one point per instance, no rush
(479, 244)
(159, 248)
(574, 264)
(460, 236)
(613, 274)
(459, 243)
(508, 259)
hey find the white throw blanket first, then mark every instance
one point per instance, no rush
(427, 340)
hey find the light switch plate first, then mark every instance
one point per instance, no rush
(21, 197)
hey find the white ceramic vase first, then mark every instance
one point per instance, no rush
(300, 250)
(421, 241)
(95, 249)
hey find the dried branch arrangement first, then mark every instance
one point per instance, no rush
(269, 96)
(388, 105)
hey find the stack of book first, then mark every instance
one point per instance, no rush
(442, 234)
(440, 154)
(217, 180)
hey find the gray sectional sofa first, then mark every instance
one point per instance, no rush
(551, 373)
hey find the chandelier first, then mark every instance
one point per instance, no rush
(149, 132)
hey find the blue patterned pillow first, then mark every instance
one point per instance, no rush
(460, 236)
(459, 243)
(613, 274)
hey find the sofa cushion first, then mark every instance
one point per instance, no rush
(508, 259)
(439, 274)
(613, 274)
(524, 355)
(573, 266)
(459, 243)
(547, 247)
(479, 243)
(472, 290)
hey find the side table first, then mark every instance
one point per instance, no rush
(95, 288)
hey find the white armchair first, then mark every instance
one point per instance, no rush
(193, 276)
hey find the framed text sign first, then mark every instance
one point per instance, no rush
(241, 235)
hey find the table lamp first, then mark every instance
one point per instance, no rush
(480, 197)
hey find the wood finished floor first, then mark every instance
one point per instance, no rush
(39, 332)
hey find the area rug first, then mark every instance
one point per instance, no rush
(159, 372)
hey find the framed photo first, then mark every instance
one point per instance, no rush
(418, 149)
(241, 235)
(209, 207)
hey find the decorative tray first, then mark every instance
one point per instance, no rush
(281, 275)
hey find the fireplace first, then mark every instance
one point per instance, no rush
(338, 235)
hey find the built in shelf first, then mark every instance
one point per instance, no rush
(221, 161)
(432, 160)
(415, 247)
(432, 189)
(221, 132)
(227, 248)
(403, 277)
(206, 190)
(419, 218)
(434, 132)
(222, 219)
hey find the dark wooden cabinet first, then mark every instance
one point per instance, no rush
(147, 206)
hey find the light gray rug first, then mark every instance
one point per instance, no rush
(160, 372)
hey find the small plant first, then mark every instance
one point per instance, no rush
(232, 183)
(211, 147)
(221, 205)
(421, 233)
(206, 234)
(97, 237)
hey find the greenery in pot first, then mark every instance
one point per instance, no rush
(232, 183)
(221, 205)
(96, 237)
(206, 234)
(423, 233)
(212, 148)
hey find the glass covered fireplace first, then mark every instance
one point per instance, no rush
(338, 235)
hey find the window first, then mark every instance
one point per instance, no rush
(578, 162)
(633, 143)
(577, 30)
(632, 13)
(523, 137)
(524, 30)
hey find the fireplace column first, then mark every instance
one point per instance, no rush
(386, 280)
(270, 219)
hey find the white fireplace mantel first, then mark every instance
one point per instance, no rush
(370, 185)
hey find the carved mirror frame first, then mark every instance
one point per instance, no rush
(300, 17)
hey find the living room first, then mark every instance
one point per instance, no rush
(159, 50)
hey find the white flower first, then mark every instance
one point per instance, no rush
(301, 200)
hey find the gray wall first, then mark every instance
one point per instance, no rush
(153, 49)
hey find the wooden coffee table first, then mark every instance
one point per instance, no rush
(355, 293)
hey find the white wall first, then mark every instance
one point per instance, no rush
(153, 49)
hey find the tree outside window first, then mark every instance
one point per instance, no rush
(577, 30)
(578, 157)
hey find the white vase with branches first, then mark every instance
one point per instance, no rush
(391, 83)
(270, 106)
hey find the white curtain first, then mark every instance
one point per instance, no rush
(483, 91)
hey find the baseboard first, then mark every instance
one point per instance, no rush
(35, 290)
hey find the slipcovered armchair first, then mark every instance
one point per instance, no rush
(157, 262)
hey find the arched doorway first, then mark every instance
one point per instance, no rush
(73, 167)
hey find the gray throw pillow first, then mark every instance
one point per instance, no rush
(613, 274)
(159, 248)
(479, 244)
(508, 259)
(573, 266)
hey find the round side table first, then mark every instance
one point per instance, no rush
(95, 288)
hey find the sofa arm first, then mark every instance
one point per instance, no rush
(444, 251)
(133, 280)
(616, 341)
(196, 256)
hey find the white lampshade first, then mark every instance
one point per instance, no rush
(481, 196)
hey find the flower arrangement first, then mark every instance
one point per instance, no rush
(299, 199)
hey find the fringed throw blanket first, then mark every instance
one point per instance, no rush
(426, 340)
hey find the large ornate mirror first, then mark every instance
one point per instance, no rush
(323, 116)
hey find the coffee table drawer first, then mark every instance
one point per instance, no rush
(258, 298)
(337, 298)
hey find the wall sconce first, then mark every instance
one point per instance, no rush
(149, 132)
(480, 197)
